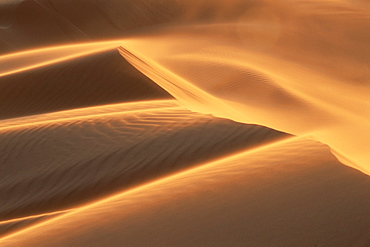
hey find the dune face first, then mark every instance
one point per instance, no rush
(116, 148)
(302, 69)
(59, 82)
(264, 196)
(184, 123)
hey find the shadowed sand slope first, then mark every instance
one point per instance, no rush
(85, 157)
(184, 123)
(291, 193)
(92, 79)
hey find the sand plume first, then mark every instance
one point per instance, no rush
(34, 23)
(184, 123)
(285, 81)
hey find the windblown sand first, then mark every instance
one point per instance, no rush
(185, 123)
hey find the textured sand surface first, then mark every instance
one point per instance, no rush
(289, 193)
(185, 123)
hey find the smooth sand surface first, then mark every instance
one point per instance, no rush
(63, 79)
(289, 193)
(185, 123)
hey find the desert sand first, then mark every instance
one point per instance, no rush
(185, 123)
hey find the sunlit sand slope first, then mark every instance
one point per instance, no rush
(52, 163)
(302, 67)
(24, 60)
(94, 78)
(290, 193)
(184, 123)
(13, 225)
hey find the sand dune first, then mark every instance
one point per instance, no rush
(184, 123)
(265, 70)
(291, 193)
(95, 78)
(86, 157)
(30, 59)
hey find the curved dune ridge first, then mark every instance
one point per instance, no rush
(184, 123)
(106, 150)
(284, 81)
(31, 59)
(67, 77)
(263, 191)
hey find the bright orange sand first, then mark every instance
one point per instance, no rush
(185, 123)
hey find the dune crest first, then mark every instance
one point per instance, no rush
(68, 77)
(184, 123)
(98, 150)
(301, 78)
(35, 58)
(262, 191)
